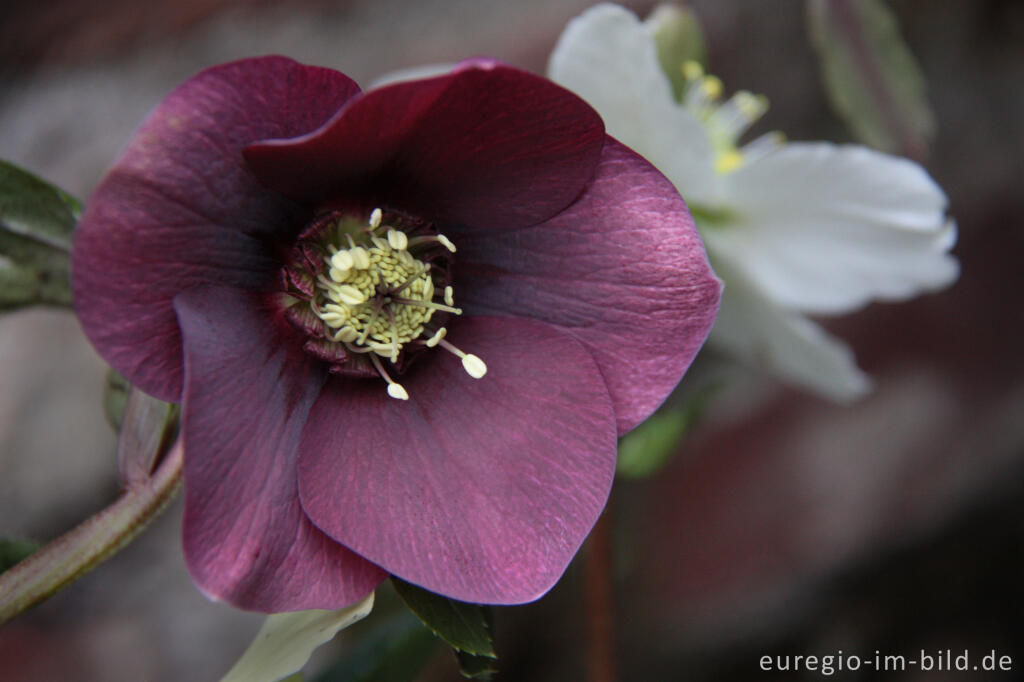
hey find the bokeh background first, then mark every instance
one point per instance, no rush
(785, 524)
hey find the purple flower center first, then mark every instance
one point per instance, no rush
(369, 291)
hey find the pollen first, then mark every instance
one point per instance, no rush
(377, 297)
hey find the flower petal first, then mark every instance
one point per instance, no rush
(481, 490)
(248, 391)
(486, 145)
(622, 269)
(784, 343)
(825, 228)
(181, 209)
(609, 57)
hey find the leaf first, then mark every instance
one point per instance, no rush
(35, 209)
(147, 431)
(679, 38)
(464, 626)
(396, 650)
(36, 221)
(871, 77)
(287, 640)
(476, 667)
(648, 448)
(13, 551)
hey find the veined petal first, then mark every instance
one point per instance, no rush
(822, 228)
(248, 391)
(479, 489)
(784, 343)
(181, 209)
(486, 145)
(609, 57)
(622, 269)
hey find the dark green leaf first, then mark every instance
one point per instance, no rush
(35, 209)
(36, 221)
(13, 551)
(476, 667)
(679, 37)
(871, 77)
(464, 626)
(396, 650)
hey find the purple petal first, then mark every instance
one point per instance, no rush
(486, 145)
(622, 269)
(181, 209)
(481, 490)
(248, 391)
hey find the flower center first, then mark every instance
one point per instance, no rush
(372, 293)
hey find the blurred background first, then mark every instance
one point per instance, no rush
(784, 525)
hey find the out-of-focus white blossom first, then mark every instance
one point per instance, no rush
(793, 228)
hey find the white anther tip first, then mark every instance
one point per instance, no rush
(446, 242)
(375, 217)
(436, 338)
(342, 260)
(398, 240)
(474, 366)
(397, 392)
(360, 257)
(449, 295)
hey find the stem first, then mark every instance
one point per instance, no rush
(93, 541)
(597, 585)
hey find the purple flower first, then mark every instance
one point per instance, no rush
(406, 326)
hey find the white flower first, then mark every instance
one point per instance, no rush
(792, 228)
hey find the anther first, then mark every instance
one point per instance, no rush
(375, 217)
(436, 338)
(397, 240)
(349, 295)
(395, 389)
(342, 260)
(474, 366)
(449, 295)
(447, 243)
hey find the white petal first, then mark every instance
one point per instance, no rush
(609, 58)
(784, 343)
(411, 74)
(287, 640)
(822, 228)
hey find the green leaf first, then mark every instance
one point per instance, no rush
(36, 221)
(871, 78)
(680, 38)
(648, 448)
(13, 551)
(287, 640)
(464, 626)
(396, 650)
(476, 667)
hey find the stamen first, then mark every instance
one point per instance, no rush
(375, 217)
(398, 240)
(349, 295)
(447, 243)
(436, 338)
(360, 257)
(395, 389)
(474, 366)
(449, 295)
(342, 260)
(427, 304)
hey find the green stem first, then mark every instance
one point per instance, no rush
(92, 542)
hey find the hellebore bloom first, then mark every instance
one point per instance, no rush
(406, 325)
(792, 228)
